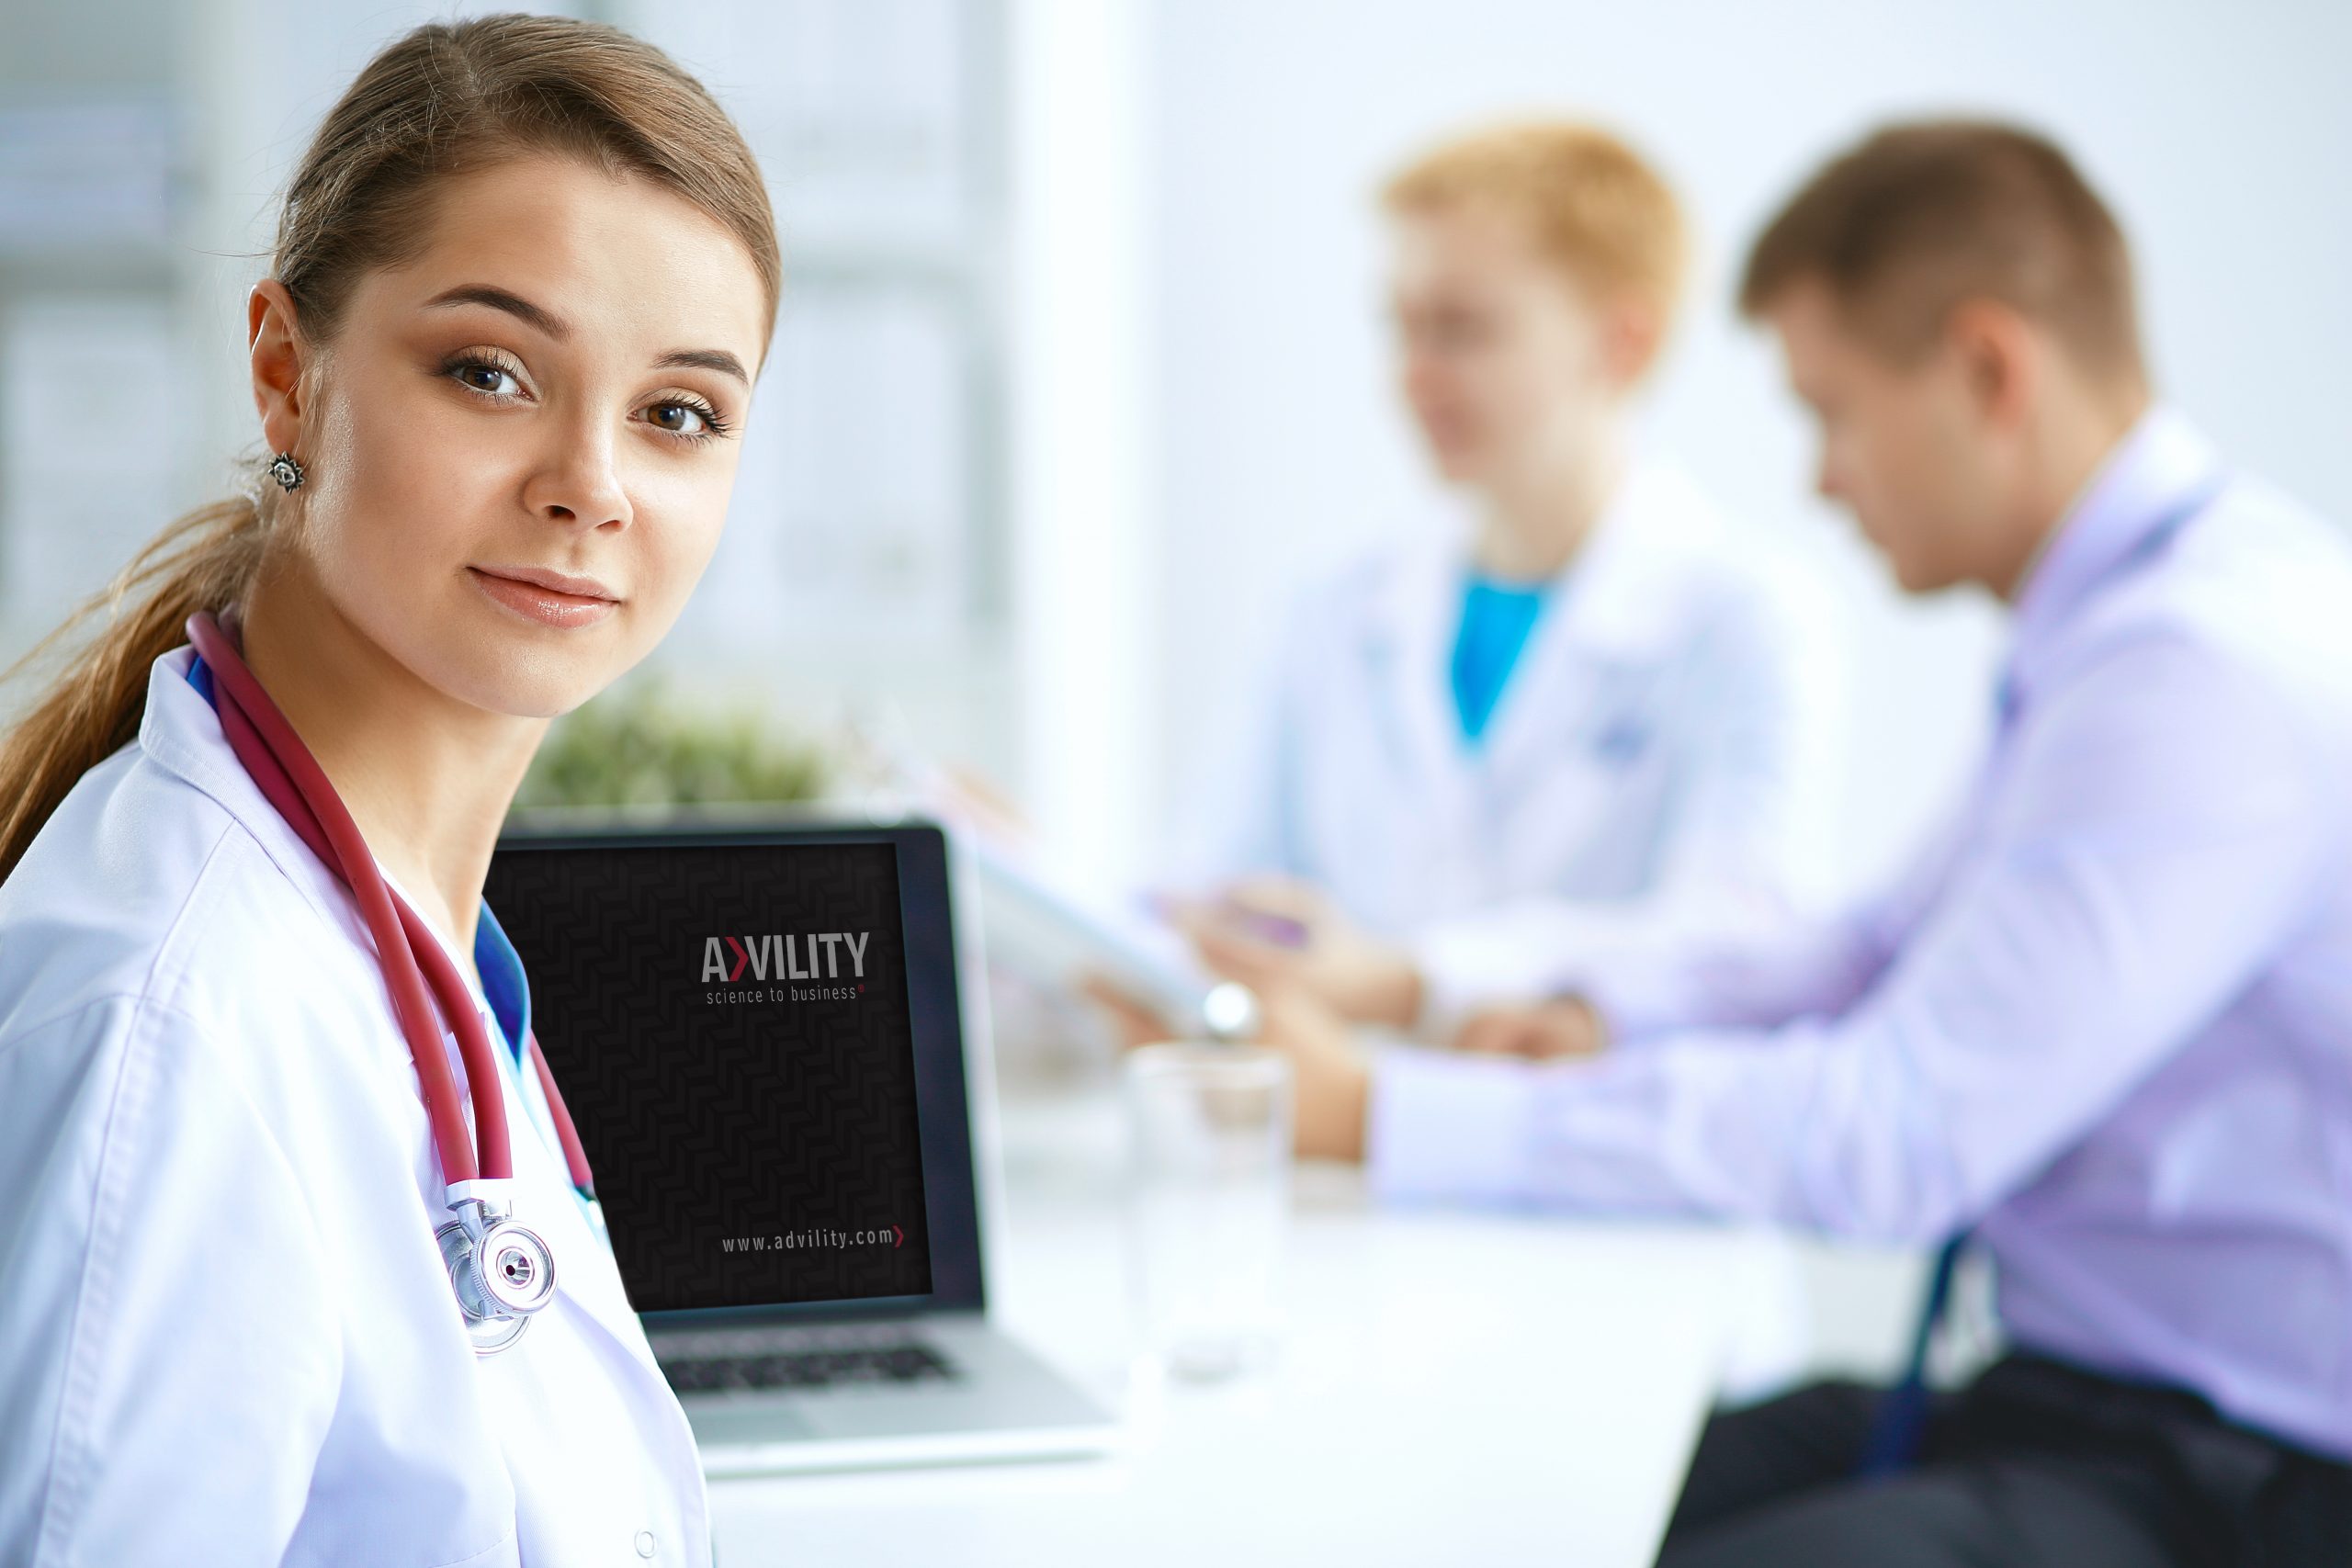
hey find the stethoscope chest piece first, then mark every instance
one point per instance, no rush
(502, 1272)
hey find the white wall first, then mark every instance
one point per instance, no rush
(1084, 605)
(2220, 136)
(1199, 393)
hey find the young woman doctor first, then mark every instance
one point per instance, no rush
(267, 1291)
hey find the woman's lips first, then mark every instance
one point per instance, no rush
(538, 600)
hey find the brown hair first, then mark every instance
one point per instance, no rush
(1918, 218)
(447, 99)
(1595, 208)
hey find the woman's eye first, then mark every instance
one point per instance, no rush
(680, 418)
(490, 378)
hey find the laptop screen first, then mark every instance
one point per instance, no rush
(733, 1028)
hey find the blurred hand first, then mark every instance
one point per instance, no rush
(1274, 934)
(1567, 1027)
(1133, 1020)
(1331, 1079)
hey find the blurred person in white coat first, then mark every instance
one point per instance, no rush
(523, 277)
(1602, 715)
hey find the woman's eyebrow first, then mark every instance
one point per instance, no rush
(535, 316)
(552, 325)
(717, 359)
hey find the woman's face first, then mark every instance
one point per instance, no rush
(518, 446)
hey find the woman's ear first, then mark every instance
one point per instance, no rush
(277, 354)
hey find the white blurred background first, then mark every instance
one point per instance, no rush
(1084, 362)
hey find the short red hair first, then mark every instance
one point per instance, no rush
(1594, 205)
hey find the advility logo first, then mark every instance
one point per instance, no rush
(814, 966)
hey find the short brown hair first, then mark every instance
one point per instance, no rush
(1595, 205)
(1921, 217)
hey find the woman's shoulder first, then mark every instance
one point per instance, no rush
(141, 887)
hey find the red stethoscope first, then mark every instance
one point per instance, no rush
(502, 1271)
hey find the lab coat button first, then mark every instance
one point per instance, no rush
(645, 1543)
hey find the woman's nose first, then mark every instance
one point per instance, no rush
(579, 482)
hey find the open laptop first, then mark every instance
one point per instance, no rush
(761, 1036)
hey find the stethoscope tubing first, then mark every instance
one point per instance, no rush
(417, 971)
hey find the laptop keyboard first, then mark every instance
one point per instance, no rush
(803, 1367)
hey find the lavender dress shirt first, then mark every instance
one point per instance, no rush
(2105, 1022)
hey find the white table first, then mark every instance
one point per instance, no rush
(1451, 1388)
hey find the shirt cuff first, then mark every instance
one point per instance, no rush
(1443, 1125)
(1514, 953)
(1459, 975)
(1466, 966)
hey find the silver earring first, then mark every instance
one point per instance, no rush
(286, 471)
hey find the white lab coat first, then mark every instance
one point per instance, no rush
(1660, 764)
(226, 1334)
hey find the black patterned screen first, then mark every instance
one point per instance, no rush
(729, 1025)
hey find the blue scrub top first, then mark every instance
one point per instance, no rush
(1497, 618)
(503, 985)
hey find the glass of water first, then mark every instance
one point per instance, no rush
(1208, 1131)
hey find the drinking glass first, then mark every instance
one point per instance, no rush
(1209, 1131)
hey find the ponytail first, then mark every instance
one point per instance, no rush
(204, 561)
(444, 99)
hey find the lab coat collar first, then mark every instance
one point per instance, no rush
(1623, 601)
(2163, 466)
(1618, 596)
(181, 732)
(1604, 601)
(1617, 601)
